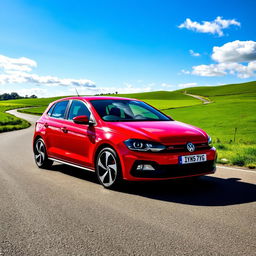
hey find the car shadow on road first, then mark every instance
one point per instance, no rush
(75, 172)
(204, 191)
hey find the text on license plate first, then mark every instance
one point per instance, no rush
(192, 159)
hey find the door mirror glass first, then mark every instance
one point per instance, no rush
(81, 120)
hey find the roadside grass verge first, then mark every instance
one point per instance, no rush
(237, 154)
(9, 122)
(33, 111)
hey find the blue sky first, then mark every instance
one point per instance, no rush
(124, 46)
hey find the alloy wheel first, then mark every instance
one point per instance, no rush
(107, 168)
(39, 152)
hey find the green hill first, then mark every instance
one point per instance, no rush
(160, 99)
(164, 99)
(229, 89)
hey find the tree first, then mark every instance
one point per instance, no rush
(13, 96)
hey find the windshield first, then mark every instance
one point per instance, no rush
(127, 110)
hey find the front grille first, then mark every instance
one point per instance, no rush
(173, 170)
(183, 147)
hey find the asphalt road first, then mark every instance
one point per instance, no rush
(63, 211)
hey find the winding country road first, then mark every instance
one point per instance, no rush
(204, 100)
(63, 211)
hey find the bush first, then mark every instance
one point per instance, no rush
(221, 146)
(238, 160)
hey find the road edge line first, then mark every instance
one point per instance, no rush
(237, 169)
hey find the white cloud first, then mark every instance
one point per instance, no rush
(195, 54)
(213, 27)
(17, 70)
(222, 69)
(18, 64)
(208, 70)
(187, 85)
(234, 58)
(236, 51)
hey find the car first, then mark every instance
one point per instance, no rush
(121, 139)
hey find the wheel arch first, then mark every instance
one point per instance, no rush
(99, 148)
(35, 139)
(109, 145)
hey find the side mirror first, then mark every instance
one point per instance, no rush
(81, 120)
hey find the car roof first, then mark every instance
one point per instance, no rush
(89, 98)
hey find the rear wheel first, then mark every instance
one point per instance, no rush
(40, 155)
(108, 168)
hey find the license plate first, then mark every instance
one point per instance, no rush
(192, 159)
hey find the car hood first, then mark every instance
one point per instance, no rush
(166, 132)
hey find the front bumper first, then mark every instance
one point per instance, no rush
(166, 165)
(173, 170)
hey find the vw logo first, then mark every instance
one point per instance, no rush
(190, 147)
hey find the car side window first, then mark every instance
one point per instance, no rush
(59, 109)
(78, 108)
(49, 113)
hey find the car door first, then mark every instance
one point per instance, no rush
(55, 132)
(79, 138)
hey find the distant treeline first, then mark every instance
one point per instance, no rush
(100, 94)
(15, 95)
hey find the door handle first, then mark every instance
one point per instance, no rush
(46, 125)
(64, 129)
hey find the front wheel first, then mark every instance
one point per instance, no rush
(108, 168)
(40, 155)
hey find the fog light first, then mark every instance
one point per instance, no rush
(139, 167)
(145, 167)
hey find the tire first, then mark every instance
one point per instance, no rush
(108, 168)
(40, 155)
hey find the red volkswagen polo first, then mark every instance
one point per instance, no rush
(120, 138)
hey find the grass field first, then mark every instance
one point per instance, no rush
(229, 89)
(9, 122)
(232, 109)
(34, 110)
(159, 99)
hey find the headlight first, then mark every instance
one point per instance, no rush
(210, 144)
(144, 145)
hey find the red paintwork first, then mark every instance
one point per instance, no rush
(79, 144)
